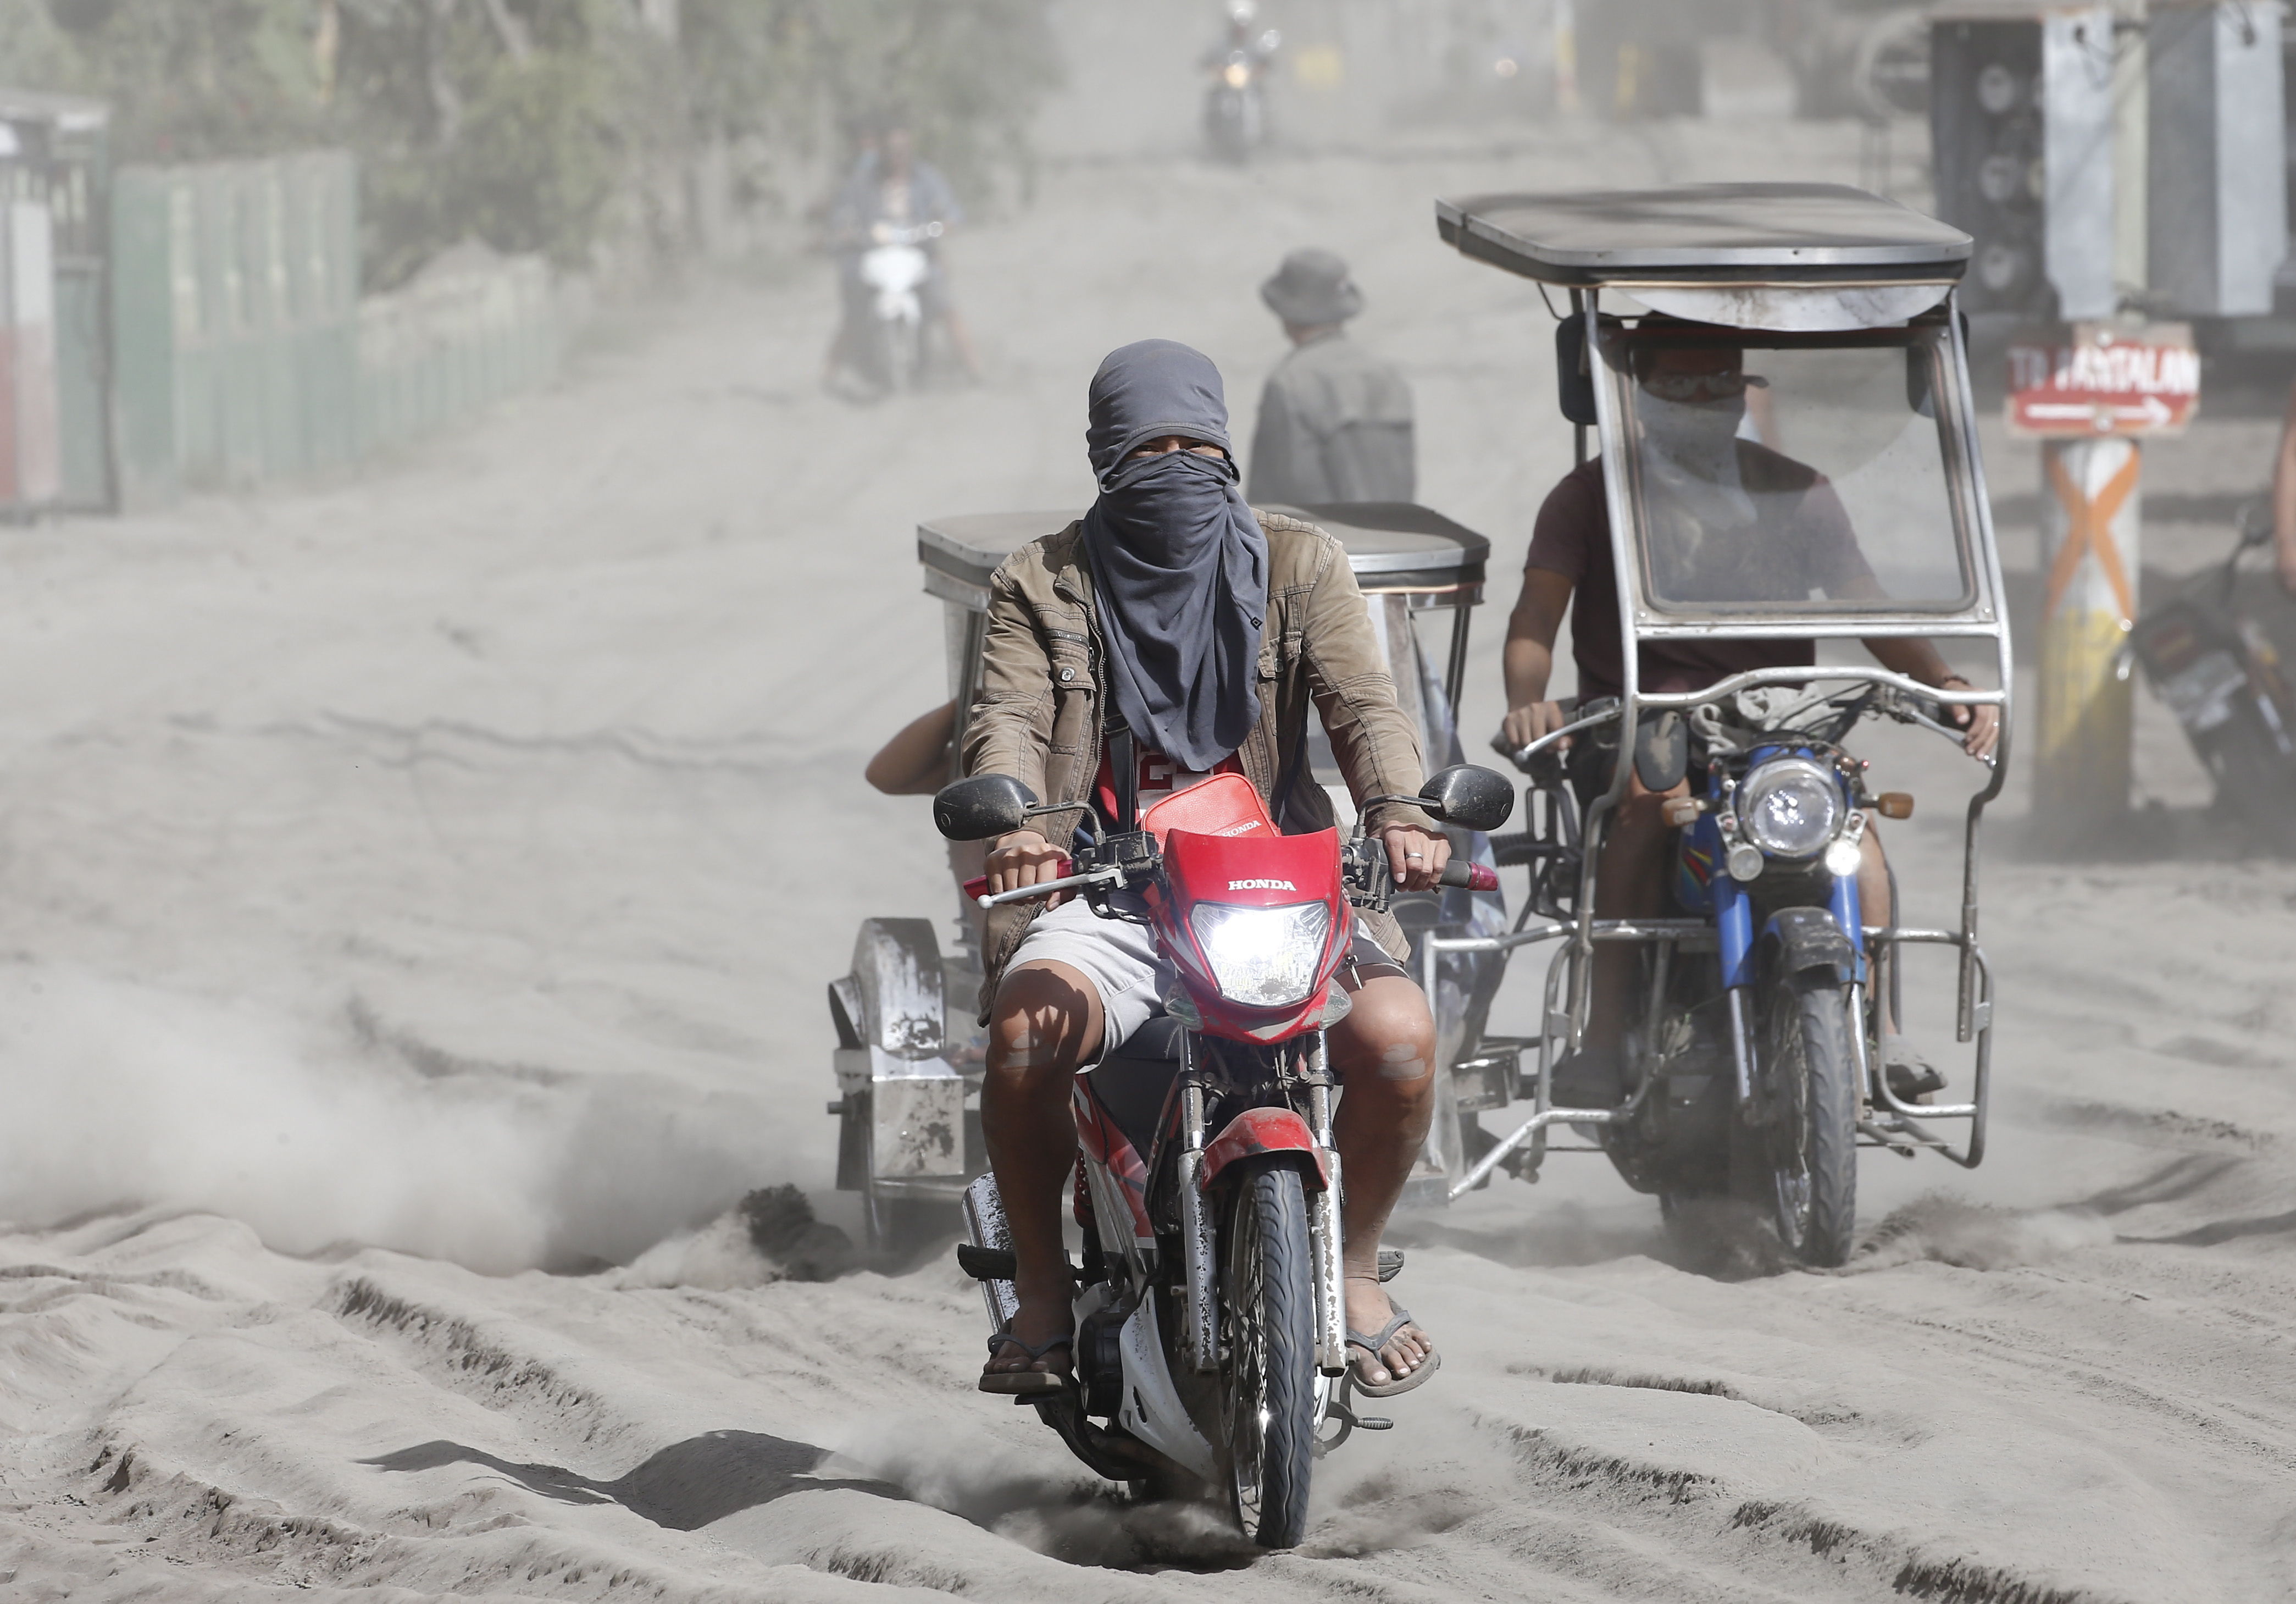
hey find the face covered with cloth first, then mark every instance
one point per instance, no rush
(1179, 565)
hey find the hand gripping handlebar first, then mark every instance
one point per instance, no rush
(1458, 872)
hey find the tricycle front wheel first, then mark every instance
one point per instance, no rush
(1811, 1144)
(1269, 1307)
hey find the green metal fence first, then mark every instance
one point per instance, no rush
(472, 328)
(235, 309)
(242, 351)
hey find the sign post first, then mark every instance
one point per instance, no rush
(2090, 395)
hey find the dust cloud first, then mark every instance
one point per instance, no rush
(123, 1095)
(1972, 1236)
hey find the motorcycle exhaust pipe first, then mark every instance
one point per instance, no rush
(984, 1227)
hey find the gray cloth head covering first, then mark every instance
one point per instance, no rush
(1312, 287)
(1179, 565)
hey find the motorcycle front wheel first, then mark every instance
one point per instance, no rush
(897, 354)
(1813, 1105)
(1268, 1319)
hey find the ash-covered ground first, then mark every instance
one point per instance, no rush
(418, 896)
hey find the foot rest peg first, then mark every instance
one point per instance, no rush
(995, 1263)
(987, 1263)
(1390, 1263)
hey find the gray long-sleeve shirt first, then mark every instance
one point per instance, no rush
(1335, 425)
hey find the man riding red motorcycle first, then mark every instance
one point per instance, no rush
(1175, 634)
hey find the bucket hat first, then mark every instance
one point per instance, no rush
(1311, 287)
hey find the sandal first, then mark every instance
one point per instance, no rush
(1372, 1344)
(1025, 1383)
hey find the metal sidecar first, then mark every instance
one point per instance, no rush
(909, 1054)
(1846, 504)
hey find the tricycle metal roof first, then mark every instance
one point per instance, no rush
(1706, 233)
(1394, 547)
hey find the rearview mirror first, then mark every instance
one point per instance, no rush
(1472, 798)
(985, 805)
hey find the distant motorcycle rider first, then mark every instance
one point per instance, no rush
(890, 187)
(1236, 118)
(1335, 421)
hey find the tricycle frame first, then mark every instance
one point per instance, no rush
(1886, 1119)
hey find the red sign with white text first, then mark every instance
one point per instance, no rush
(2103, 379)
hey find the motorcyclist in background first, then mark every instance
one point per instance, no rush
(890, 187)
(1236, 113)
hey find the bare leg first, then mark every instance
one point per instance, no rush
(1630, 884)
(1873, 898)
(1385, 1050)
(1045, 1026)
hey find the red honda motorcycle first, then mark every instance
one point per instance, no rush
(1210, 1334)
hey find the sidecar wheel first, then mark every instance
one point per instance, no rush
(1813, 1130)
(1268, 1312)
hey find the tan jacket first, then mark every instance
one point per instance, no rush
(1044, 684)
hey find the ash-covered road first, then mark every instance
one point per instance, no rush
(418, 893)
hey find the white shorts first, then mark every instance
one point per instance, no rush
(1120, 960)
(1118, 957)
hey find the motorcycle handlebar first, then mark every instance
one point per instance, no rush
(1469, 876)
(976, 889)
(1459, 872)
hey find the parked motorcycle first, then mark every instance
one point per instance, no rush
(1210, 1332)
(891, 349)
(2212, 663)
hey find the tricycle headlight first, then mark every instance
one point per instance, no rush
(1263, 958)
(1790, 808)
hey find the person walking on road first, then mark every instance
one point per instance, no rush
(1335, 421)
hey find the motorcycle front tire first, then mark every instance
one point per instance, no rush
(1268, 1316)
(1812, 1144)
(896, 355)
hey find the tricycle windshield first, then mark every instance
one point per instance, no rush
(1783, 476)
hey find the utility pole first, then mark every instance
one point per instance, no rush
(2091, 511)
(2150, 131)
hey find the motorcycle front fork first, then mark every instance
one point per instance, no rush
(1324, 1229)
(1198, 1239)
(1199, 1244)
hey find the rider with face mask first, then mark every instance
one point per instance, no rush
(1730, 519)
(1175, 629)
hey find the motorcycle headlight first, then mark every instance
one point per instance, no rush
(1238, 75)
(1263, 958)
(1790, 808)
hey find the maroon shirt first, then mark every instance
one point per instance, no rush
(1572, 538)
